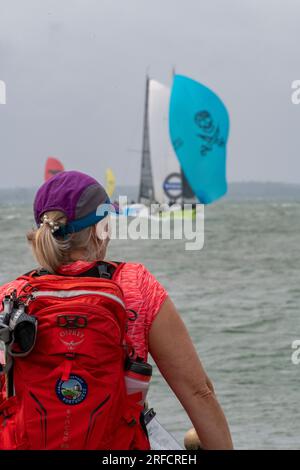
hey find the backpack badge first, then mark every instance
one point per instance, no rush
(72, 391)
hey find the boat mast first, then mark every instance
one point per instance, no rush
(146, 182)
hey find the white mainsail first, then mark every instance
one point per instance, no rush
(166, 172)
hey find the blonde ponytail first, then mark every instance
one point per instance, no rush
(52, 251)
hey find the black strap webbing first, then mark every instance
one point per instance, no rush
(102, 270)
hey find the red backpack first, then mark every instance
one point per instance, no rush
(69, 391)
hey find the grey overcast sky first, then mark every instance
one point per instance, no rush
(75, 76)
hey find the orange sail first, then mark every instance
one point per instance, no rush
(53, 166)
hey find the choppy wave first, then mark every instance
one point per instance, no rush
(239, 297)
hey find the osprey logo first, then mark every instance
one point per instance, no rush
(2, 92)
(72, 334)
(71, 338)
(210, 133)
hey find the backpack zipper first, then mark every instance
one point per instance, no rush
(75, 293)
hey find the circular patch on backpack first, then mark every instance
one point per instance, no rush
(71, 391)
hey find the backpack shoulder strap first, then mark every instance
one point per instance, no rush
(35, 273)
(102, 269)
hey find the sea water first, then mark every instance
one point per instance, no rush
(240, 299)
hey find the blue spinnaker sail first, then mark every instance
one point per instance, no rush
(199, 127)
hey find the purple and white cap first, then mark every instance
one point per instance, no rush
(80, 197)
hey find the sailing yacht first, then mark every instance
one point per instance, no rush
(110, 182)
(162, 180)
(52, 167)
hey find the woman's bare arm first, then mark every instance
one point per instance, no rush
(172, 349)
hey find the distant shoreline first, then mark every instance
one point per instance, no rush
(240, 191)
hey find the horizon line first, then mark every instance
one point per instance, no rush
(287, 183)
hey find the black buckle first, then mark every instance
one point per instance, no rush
(149, 415)
(104, 271)
(105, 275)
(72, 321)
